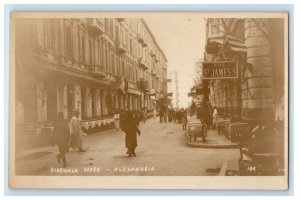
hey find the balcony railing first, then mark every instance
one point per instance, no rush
(95, 25)
(121, 19)
(152, 53)
(142, 63)
(140, 38)
(96, 69)
(144, 44)
(120, 47)
(154, 73)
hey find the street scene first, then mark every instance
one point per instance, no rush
(161, 150)
(151, 96)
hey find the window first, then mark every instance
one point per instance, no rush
(68, 41)
(113, 64)
(117, 33)
(123, 68)
(91, 51)
(130, 47)
(99, 54)
(106, 25)
(81, 48)
(121, 35)
(119, 67)
(49, 34)
(101, 59)
(111, 28)
(215, 29)
(106, 60)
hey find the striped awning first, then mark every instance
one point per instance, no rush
(235, 34)
(235, 44)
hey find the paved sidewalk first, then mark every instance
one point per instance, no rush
(213, 140)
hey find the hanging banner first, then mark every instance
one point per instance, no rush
(220, 70)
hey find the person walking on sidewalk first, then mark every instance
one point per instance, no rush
(117, 120)
(131, 130)
(61, 137)
(154, 113)
(144, 112)
(215, 115)
(184, 120)
(76, 132)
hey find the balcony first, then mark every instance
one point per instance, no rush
(154, 73)
(98, 70)
(140, 38)
(94, 25)
(142, 63)
(152, 54)
(120, 19)
(144, 44)
(120, 47)
(143, 85)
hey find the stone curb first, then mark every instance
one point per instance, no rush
(210, 146)
(213, 146)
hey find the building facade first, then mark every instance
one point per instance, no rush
(97, 66)
(173, 89)
(257, 48)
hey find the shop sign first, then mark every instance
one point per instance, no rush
(220, 70)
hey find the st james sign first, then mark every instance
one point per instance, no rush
(220, 70)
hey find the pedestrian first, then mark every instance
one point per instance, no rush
(154, 113)
(166, 116)
(173, 115)
(184, 120)
(161, 114)
(61, 137)
(215, 115)
(122, 118)
(131, 130)
(170, 115)
(117, 120)
(145, 115)
(204, 115)
(76, 132)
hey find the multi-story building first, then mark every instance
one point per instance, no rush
(95, 65)
(173, 89)
(197, 89)
(256, 46)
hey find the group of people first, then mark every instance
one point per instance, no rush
(171, 115)
(65, 136)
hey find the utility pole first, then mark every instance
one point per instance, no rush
(176, 90)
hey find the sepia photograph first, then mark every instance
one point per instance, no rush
(146, 100)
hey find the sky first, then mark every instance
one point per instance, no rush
(182, 39)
